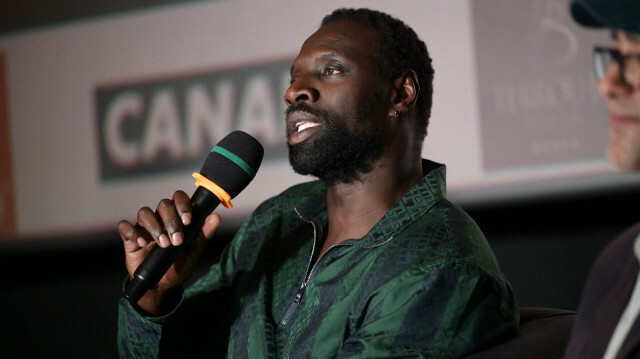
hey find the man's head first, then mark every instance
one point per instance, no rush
(349, 87)
(400, 49)
(618, 71)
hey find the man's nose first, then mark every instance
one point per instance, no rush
(302, 89)
(611, 85)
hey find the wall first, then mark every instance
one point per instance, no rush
(119, 109)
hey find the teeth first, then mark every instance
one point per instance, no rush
(301, 126)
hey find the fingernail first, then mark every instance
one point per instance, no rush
(141, 242)
(164, 240)
(176, 238)
(186, 218)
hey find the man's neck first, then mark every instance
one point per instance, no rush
(353, 209)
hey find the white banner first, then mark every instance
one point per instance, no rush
(115, 113)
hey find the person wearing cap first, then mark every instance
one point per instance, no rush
(608, 325)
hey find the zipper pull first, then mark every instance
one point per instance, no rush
(300, 292)
(293, 305)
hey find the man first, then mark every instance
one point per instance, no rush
(607, 325)
(369, 261)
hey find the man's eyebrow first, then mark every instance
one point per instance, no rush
(332, 54)
(329, 55)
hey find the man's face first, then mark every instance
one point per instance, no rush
(623, 104)
(337, 104)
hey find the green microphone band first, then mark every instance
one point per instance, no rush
(235, 159)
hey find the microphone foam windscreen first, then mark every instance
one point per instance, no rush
(233, 162)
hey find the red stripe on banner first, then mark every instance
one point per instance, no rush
(7, 200)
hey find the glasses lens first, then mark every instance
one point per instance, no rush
(632, 71)
(602, 58)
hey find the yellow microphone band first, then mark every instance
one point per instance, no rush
(203, 181)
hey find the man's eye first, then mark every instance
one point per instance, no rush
(330, 71)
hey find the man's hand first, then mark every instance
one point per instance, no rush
(164, 227)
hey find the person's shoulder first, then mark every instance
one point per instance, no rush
(619, 249)
(460, 238)
(457, 221)
(623, 242)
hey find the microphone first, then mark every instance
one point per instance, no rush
(227, 170)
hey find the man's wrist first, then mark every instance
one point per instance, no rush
(157, 303)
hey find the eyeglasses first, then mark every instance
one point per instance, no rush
(628, 65)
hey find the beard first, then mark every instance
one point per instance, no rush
(338, 154)
(623, 151)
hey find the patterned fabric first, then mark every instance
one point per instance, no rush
(422, 283)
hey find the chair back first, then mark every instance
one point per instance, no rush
(543, 333)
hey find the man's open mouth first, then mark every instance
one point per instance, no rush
(303, 125)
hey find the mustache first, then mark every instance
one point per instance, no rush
(304, 107)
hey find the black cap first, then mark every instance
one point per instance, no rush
(614, 14)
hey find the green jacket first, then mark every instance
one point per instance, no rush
(422, 283)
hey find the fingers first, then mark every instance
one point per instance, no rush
(131, 236)
(165, 225)
(152, 224)
(172, 223)
(183, 205)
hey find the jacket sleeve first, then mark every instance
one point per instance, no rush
(138, 336)
(198, 327)
(447, 311)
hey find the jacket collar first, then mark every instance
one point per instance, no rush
(414, 204)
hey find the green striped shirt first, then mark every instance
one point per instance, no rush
(423, 283)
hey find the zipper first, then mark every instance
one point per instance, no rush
(311, 269)
(293, 305)
(300, 292)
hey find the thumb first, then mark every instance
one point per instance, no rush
(211, 224)
(209, 227)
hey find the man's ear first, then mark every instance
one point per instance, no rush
(404, 94)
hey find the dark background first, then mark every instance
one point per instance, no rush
(59, 295)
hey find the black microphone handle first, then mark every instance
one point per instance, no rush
(159, 260)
